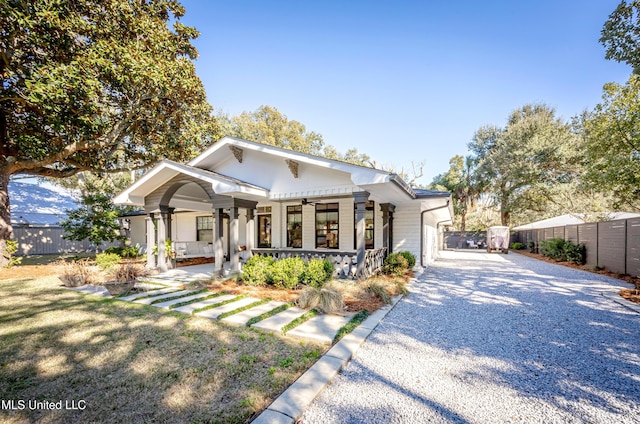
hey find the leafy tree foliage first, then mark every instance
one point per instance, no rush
(98, 86)
(460, 181)
(519, 164)
(270, 126)
(95, 220)
(621, 34)
(612, 143)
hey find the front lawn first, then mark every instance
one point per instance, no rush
(124, 362)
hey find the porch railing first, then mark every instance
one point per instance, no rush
(345, 264)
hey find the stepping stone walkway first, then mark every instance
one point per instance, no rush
(321, 328)
(242, 318)
(216, 312)
(276, 322)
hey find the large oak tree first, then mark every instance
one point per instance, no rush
(95, 85)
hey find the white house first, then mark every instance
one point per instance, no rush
(240, 198)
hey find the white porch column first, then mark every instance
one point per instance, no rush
(360, 200)
(162, 237)
(234, 255)
(250, 231)
(151, 241)
(218, 249)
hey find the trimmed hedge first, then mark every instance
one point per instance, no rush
(256, 271)
(286, 273)
(317, 272)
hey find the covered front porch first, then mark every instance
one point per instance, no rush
(186, 218)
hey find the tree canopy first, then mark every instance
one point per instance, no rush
(97, 86)
(612, 143)
(620, 34)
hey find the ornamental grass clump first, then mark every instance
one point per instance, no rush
(77, 273)
(128, 272)
(327, 299)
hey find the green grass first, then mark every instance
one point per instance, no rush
(300, 320)
(132, 363)
(269, 314)
(244, 308)
(48, 259)
(354, 322)
(215, 305)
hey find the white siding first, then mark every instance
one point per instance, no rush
(138, 230)
(406, 228)
(377, 226)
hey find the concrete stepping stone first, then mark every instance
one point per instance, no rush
(149, 300)
(154, 292)
(241, 318)
(322, 328)
(188, 309)
(170, 302)
(276, 322)
(215, 312)
(91, 289)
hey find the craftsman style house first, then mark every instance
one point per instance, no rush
(240, 198)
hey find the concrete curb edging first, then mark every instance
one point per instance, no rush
(289, 406)
(622, 301)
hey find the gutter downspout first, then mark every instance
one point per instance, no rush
(422, 225)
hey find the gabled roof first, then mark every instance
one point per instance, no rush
(360, 175)
(264, 168)
(33, 204)
(167, 169)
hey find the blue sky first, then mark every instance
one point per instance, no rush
(402, 81)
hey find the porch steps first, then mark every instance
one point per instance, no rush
(188, 309)
(169, 303)
(133, 297)
(150, 300)
(322, 328)
(276, 322)
(241, 318)
(215, 312)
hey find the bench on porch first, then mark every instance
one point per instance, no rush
(193, 249)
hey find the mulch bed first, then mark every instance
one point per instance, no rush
(629, 294)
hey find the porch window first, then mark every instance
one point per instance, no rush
(204, 227)
(294, 226)
(264, 226)
(327, 227)
(368, 226)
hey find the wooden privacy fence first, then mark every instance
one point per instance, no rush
(34, 240)
(614, 245)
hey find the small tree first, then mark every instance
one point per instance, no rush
(96, 220)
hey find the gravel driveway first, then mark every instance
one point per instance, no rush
(492, 338)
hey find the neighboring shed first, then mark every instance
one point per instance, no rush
(36, 213)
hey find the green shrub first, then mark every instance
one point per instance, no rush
(286, 273)
(255, 271)
(107, 261)
(114, 249)
(532, 246)
(576, 253)
(410, 257)
(10, 251)
(317, 272)
(561, 250)
(517, 246)
(395, 264)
